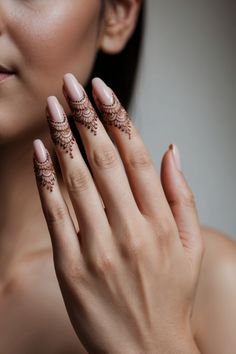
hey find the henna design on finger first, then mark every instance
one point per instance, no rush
(83, 112)
(61, 133)
(115, 114)
(44, 172)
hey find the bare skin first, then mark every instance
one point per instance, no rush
(31, 307)
(33, 313)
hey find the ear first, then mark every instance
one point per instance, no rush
(120, 20)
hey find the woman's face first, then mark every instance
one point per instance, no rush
(41, 40)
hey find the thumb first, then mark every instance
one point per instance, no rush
(182, 203)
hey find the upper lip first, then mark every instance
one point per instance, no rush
(3, 69)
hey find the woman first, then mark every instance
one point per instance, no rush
(40, 42)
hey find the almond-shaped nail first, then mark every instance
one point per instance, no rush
(39, 150)
(113, 113)
(54, 109)
(43, 166)
(102, 91)
(74, 89)
(60, 130)
(176, 155)
(81, 107)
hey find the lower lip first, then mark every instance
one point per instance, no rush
(4, 76)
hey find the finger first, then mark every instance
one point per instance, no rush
(66, 248)
(143, 178)
(182, 202)
(82, 190)
(104, 160)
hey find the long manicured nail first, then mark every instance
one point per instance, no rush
(55, 110)
(105, 94)
(43, 166)
(60, 130)
(74, 89)
(40, 151)
(113, 113)
(81, 107)
(176, 155)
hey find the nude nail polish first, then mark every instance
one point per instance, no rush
(176, 155)
(112, 111)
(75, 90)
(81, 107)
(39, 150)
(55, 110)
(102, 91)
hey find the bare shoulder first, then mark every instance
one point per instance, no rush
(214, 314)
(32, 311)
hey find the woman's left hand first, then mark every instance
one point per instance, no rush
(129, 276)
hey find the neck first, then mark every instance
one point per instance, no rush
(23, 229)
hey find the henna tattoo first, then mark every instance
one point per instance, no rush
(83, 112)
(115, 114)
(44, 172)
(61, 133)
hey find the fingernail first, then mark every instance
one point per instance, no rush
(113, 113)
(75, 90)
(81, 107)
(176, 155)
(59, 127)
(54, 109)
(40, 151)
(102, 91)
(43, 166)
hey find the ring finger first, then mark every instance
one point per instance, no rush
(76, 175)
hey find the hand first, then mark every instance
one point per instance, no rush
(128, 276)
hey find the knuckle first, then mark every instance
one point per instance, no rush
(105, 157)
(133, 247)
(140, 159)
(164, 228)
(188, 200)
(56, 214)
(78, 180)
(70, 273)
(102, 265)
(75, 274)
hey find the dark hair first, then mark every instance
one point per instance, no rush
(118, 71)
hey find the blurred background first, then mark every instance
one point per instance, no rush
(186, 94)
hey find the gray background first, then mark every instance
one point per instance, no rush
(186, 94)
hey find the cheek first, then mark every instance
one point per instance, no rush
(56, 40)
(51, 39)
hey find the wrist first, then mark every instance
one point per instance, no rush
(185, 346)
(181, 344)
(178, 343)
(188, 346)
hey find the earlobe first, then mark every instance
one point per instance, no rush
(119, 24)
